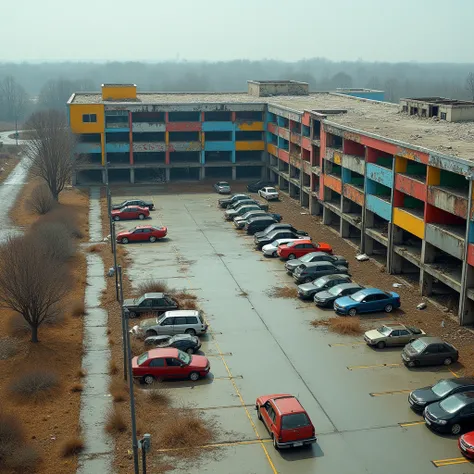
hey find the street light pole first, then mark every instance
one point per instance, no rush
(124, 324)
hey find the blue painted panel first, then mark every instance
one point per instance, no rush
(379, 207)
(367, 95)
(88, 148)
(115, 130)
(283, 144)
(218, 126)
(219, 146)
(117, 147)
(203, 157)
(379, 174)
(272, 138)
(346, 175)
(306, 131)
(471, 232)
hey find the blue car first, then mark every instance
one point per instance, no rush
(368, 300)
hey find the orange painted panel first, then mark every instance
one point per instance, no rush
(410, 186)
(354, 194)
(470, 254)
(306, 143)
(273, 128)
(333, 183)
(284, 133)
(272, 149)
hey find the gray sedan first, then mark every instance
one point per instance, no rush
(292, 265)
(307, 291)
(326, 298)
(222, 187)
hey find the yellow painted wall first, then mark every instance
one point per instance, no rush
(242, 146)
(400, 164)
(433, 176)
(337, 158)
(250, 126)
(76, 111)
(409, 222)
(117, 93)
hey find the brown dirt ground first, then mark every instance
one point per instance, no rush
(7, 126)
(370, 274)
(50, 422)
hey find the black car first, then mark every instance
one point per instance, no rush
(422, 397)
(307, 291)
(149, 303)
(257, 185)
(240, 221)
(429, 351)
(256, 224)
(275, 235)
(134, 202)
(451, 415)
(276, 226)
(312, 257)
(183, 342)
(326, 298)
(310, 271)
(224, 202)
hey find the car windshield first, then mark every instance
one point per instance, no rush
(335, 290)
(137, 301)
(133, 229)
(296, 420)
(442, 388)
(271, 190)
(223, 183)
(452, 404)
(320, 282)
(142, 358)
(359, 296)
(384, 330)
(418, 345)
(307, 257)
(183, 357)
(123, 203)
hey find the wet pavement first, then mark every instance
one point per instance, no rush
(356, 396)
(97, 456)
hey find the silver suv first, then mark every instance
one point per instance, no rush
(184, 321)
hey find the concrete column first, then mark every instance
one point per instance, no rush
(397, 263)
(426, 283)
(346, 204)
(314, 206)
(427, 252)
(368, 245)
(466, 307)
(202, 173)
(397, 235)
(327, 216)
(344, 228)
(234, 173)
(132, 175)
(104, 179)
(167, 174)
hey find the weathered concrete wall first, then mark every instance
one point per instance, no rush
(447, 241)
(148, 127)
(410, 186)
(446, 200)
(354, 194)
(149, 146)
(354, 163)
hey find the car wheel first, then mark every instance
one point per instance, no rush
(456, 429)
(275, 254)
(412, 363)
(192, 332)
(125, 240)
(141, 216)
(259, 414)
(307, 280)
(275, 445)
(380, 345)
(150, 333)
(148, 379)
(388, 308)
(132, 315)
(448, 361)
(116, 218)
(194, 376)
(190, 350)
(352, 312)
(291, 256)
(152, 238)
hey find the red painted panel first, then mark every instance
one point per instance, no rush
(323, 140)
(470, 254)
(170, 147)
(435, 215)
(183, 127)
(351, 147)
(321, 187)
(354, 194)
(306, 119)
(333, 183)
(410, 186)
(394, 150)
(283, 155)
(167, 157)
(284, 133)
(306, 143)
(448, 201)
(273, 128)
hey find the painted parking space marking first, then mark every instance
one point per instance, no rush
(227, 354)
(449, 462)
(375, 366)
(220, 445)
(223, 407)
(228, 377)
(346, 344)
(390, 392)
(408, 424)
(454, 373)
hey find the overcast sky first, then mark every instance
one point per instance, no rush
(153, 30)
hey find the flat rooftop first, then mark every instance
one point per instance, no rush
(380, 118)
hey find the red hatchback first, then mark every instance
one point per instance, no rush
(466, 444)
(142, 233)
(130, 212)
(301, 247)
(286, 420)
(161, 364)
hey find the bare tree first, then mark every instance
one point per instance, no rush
(51, 149)
(470, 85)
(13, 99)
(31, 283)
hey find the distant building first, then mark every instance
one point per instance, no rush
(395, 180)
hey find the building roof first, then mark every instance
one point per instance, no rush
(378, 118)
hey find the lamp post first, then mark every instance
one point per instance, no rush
(145, 445)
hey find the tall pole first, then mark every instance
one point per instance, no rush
(124, 323)
(114, 250)
(143, 461)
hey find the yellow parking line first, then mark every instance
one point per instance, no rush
(411, 423)
(345, 344)
(450, 462)
(454, 373)
(354, 367)
(218, 445)
(390, 392)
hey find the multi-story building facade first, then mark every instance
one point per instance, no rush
(395, 180)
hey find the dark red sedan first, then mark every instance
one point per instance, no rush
(300, 247)
(130, 212)
(466, 444)
(142, 233)
(161, 364)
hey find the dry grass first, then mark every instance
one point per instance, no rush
(347, 326)
(187, 304)
(115, 422)
(9, 346)
(81, 373)
(152, 286)
(118, 390)
(17, 326)
(96, 248)
(113, 367)
(34, 383)
(136, 346)
(183, 295)
(77, 387)
(158, 396)
(72, 447)
(283, 292)
(78, 308)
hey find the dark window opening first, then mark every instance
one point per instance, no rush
(150, 175)
(218, 116)
(334, 141)
(86, 118)
(250, 136)
(184, 116)
(147, 158)
(218, 156)
(434, 111)
(117, 158)
(148, 117)
(185, 157)
(88, 138)
(249, 172)
(249, 115)
(184, 136)
(443, 116)
(184, 174)
(248, 156)
(218, 136)
(316, 129)
(89, 177)
(148, 137)
(221, 172)
(118, 137)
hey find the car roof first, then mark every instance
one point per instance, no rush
(463, 381)
(145, 227)
(372, 291)
(395, 326)
(181, 312)
(165, 352)
(154, 295)
(467, 396)
(317, 264)
(344, 286)
(431, 340)
(260, 218)
(287, 404)
(334, 276)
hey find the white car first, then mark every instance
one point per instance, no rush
(268, 193)
(222, 187)
(270, 250)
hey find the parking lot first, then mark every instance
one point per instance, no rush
(258, 344)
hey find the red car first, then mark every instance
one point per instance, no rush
(301, 247)
(130, 212)
(286, 420)
(142, 233)
(466, 444)
(160, 364)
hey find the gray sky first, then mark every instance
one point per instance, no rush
(372, 30)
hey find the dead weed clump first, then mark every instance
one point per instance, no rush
(113, 367)
(35, 383)
(78, 308)
(158, 397)
(96, 248)
(152, 286)
(115, 422)
(72, 447)
(346, 326)
(187, 304)
(118, 390)
(9, 346)
(77, 387)
(283, 292)
(183, 295)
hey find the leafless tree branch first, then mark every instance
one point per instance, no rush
(470, 84)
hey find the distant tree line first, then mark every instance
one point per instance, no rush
(27, 87)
